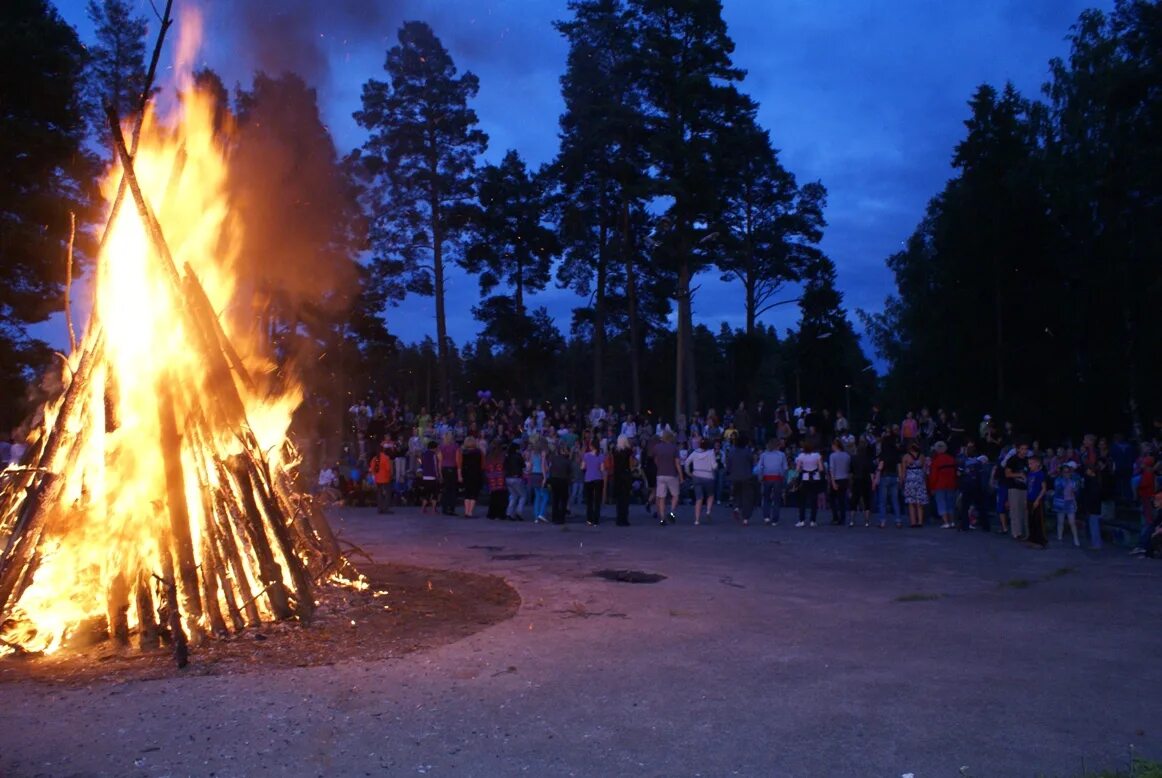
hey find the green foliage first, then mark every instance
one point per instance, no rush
(418, 164)
(511, 243)
(1028, 289)
(116, 68)
(602, 177)
(45, 173)
(829, 363)
(770, 227)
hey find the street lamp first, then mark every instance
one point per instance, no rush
(847, 396)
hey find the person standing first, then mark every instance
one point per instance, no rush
(773, 474)
(700, 466)
(669, 476)
(839, 478)
(743, 422)
(1066, 487)
(449, 454)
(560, 470)
(740, 467)
(623, 467)
(1016, 469)
(887, 480)
(1035, 490)
(593, 464)
(942, 480)
(538, 459)
(514, 481)
(472, 474)
(429, 477)
(494, 464)
(863, 465)
(650, 474)
(809, 467)
(380, 468)
(915, 489)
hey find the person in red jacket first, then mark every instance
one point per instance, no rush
(942, 483)
(381, 468)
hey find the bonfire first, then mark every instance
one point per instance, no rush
(157, 499)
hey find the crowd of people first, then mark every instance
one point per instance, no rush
(541, 462)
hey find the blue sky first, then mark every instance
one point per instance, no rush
(868, 96)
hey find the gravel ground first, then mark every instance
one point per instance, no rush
(765, 651)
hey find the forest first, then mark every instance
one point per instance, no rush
(1027, 290)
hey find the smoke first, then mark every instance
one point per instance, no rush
(305, 37)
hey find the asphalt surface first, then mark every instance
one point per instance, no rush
(766, 651)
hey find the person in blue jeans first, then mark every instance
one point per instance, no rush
(772, 473)
(888, 481)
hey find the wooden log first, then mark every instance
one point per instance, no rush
(209, 579)
(171, 611)
(232, 554)
(145, 95)
(147, 631)
(233, 572)
(213, 562)
(225, 401)
(300, 581)
(320, 529)
(117, 609)
(225, 584)
(270, 570)
(200, 303)
(60, 450)
(175, 487)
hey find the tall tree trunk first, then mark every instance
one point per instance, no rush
(688, 344)
(1000, 344)
(519, 295)
(686, 323)
(749, 286)
(631, 305)
(599, 317)
(441, 322)
(683, 295)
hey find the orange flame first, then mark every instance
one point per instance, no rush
(116, 488)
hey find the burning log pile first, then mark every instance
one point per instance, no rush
(157, 497)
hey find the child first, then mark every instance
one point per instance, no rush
(1036, 488)
(1066, 487)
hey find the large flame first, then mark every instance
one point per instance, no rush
(116, 490)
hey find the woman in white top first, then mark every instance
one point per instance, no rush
(809, 465)
(701, 464)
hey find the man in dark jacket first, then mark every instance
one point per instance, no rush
(740, 471)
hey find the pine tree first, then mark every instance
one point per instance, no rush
(511, 243)
(116, 75)
(771, 225)
(687, 82)
(45, 173)
(419, 164)
(602, 174)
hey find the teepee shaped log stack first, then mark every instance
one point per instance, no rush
(247, 546)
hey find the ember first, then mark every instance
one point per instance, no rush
(158, 495)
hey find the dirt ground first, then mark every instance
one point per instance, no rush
(404, 609)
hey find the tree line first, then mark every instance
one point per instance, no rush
(1030, 288)
(662, 174)
(1027, 289)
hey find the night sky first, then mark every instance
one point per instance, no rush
(867, 96)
